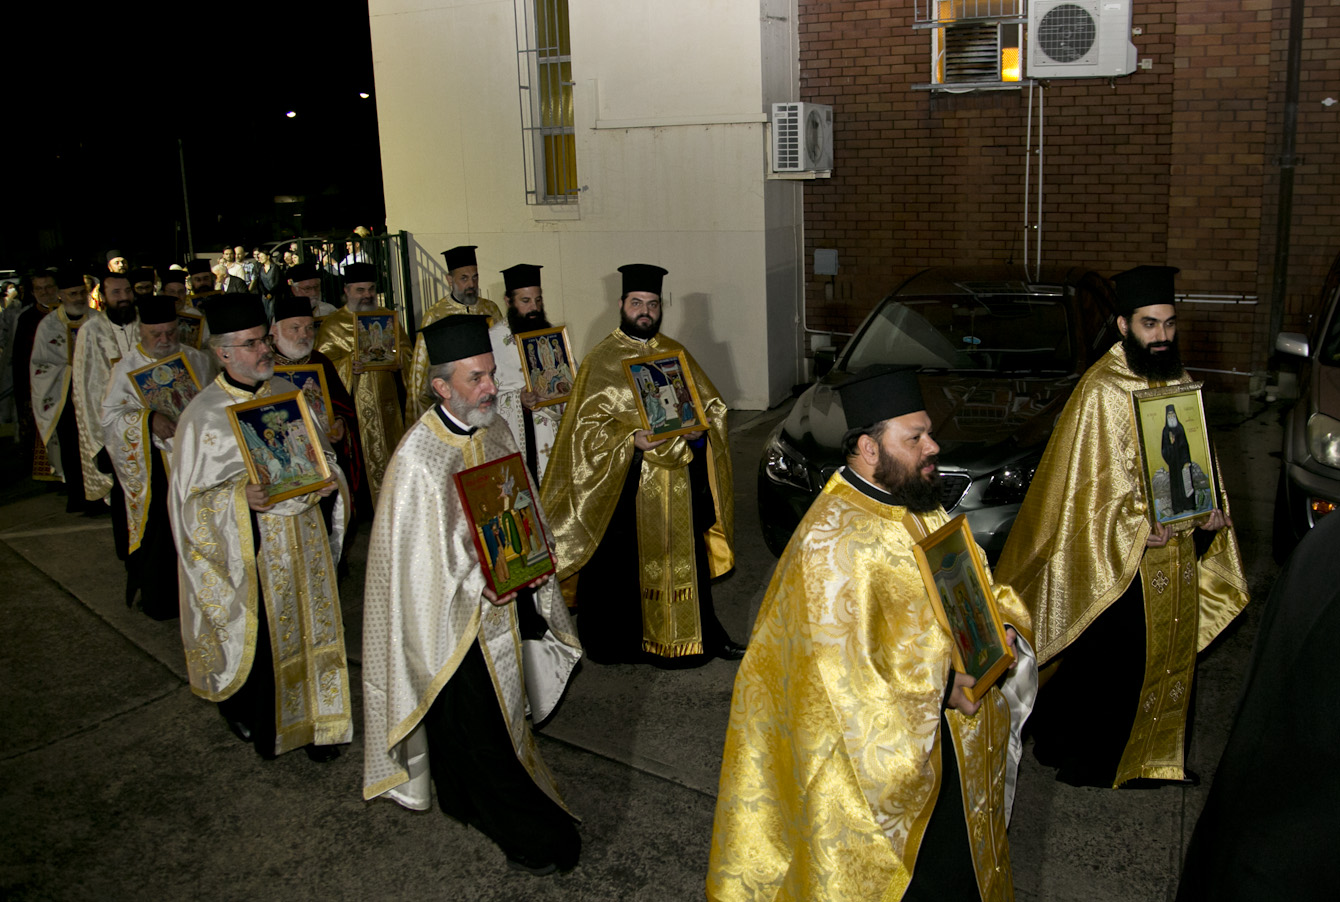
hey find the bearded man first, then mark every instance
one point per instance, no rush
(101, 342)
(644, 523)
(855, 767)
(450, 670)
(1123, 605)
(379, 394)
(463, 297)
(305, 282)
(139, 444)
(142, 281)
(260, 611)
(200, 278)
(294, 335)
(51, 382)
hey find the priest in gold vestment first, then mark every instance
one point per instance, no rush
(855, 768)
(260, 609)
(463, 297)
(51, 382)
(450, 671)
(642, 524)
(1124, 607)
(378, 394)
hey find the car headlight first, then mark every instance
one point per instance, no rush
(784, 466)
(1323, 439)
(1008, 486)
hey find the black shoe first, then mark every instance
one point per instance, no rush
(729, 651)
(240, 730)
(525, 865)
(322, 754)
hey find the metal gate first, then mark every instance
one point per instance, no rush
(389, 253)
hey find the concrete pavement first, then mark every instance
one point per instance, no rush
(119, 783)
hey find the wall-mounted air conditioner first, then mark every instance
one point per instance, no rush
(1079, 39)
(802, 137)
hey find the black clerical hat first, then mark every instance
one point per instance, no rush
(235, 313)
(456, 338)
(1144, 286)
(359, 272)
(174, 275)
(463, 255)
(141, 274)
(642, 277)
(69, 277)
(880, 392)
(523, 275)
(301, 272)
(113, 254)
(289, 306)
(197, 265)
(155, 309)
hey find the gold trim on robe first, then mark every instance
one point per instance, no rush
(98, 345)
(424, 606)
(221, 571)
(417, 379)
(585, 477)
(831, 766)
(1079, 541)
(376, 398)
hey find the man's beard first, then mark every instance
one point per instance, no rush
(525, 322)
(121, 314)
(166, 350)
(303, 348)
(1145, 362)
(630, 326)
(471, 414)
(908, 487)
(468, 296)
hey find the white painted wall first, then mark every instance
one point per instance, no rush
(670, 102)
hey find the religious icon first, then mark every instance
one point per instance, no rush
(311, 379)
(280, 444)
(667, 398)
(166, 385)
(378, 340)
(956, 581)
(190, 329)
(1176, 460)
(546, 359)
(499, 503)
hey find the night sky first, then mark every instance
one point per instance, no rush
(97, 102)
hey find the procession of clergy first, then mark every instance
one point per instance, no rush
(857, 765)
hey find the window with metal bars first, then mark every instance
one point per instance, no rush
(975, 44)
(545, 74)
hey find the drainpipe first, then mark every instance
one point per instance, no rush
(1287, 162)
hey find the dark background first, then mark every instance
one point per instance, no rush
(97, 102)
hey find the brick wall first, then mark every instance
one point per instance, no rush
(1174, 164)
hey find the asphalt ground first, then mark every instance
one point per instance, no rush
(119, 783)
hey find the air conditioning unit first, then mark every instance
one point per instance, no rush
(802, 137)
(1079, 39)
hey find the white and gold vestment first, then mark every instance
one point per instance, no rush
(99, 345)
(222, 572)
(832, 761)
(50, 374)
(424, 607)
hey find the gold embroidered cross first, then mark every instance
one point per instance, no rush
(1159, 582)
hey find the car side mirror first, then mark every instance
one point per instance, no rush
(1294, 343)
(824, 358)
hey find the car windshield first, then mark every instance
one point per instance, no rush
(1330, 343)
(999, 334)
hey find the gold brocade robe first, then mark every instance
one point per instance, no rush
(586, 473)
(129, 441)
(424, 606)
(376, 398)
(418, 371)
(831, 767)
(50, 379)
(222, 570)
(1079, 541)
(99, 345)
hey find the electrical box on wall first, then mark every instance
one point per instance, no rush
(1080, 39)
(802, 137)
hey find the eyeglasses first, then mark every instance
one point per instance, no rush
(252, 345)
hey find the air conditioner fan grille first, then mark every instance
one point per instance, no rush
(1066, 33)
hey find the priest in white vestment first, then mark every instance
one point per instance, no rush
(260, 610)
(450, 672)
(138, 438)
(534, 424)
